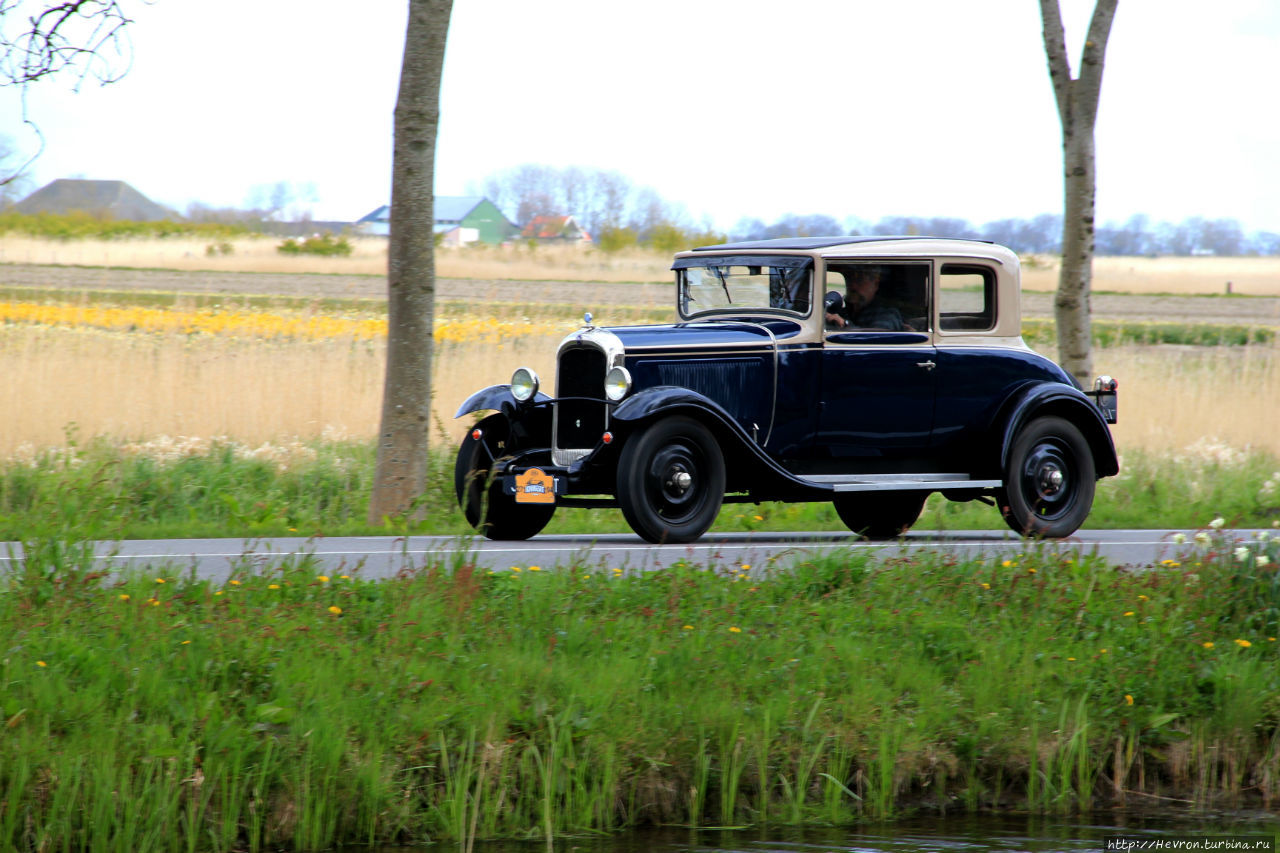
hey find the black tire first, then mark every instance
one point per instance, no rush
(671, 481)
(879, 515)
(488, 509)
(1049, 480)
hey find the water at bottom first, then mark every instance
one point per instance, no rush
(932, 835)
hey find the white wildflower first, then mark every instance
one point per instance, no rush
(1180, 539)
(1263, 560)
(1202, 537)
(1242, 553)
(1217, 523)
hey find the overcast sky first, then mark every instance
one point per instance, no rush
(733, 108)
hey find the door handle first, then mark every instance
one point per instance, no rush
(927, 365)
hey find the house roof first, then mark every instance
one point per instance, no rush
(110, 198)
(548, 227)
(450, 208)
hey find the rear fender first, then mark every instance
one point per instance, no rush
(1064, 401)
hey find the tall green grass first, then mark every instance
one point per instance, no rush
(217, 487)
(288, 708)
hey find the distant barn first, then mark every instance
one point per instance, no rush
(105, 199)
(459, 219)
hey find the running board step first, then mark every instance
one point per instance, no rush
(899, 482)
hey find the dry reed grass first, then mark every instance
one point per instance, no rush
(1200, 275)
(133, 387)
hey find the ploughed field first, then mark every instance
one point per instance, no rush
(598, 297)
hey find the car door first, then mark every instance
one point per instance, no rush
(878, 385)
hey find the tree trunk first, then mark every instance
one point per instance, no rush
(400, 472)
(1078, 110)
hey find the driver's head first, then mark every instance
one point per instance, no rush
(861, 285)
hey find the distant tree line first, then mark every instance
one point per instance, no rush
(617, 213)
(1041, 234)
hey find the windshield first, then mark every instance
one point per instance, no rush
(743, 284)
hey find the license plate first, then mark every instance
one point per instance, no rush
(535, 487)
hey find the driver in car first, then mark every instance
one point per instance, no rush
(862, 308)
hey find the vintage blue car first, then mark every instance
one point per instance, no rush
(865, 371)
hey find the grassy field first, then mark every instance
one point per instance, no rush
(1179, 275)
(286, 708)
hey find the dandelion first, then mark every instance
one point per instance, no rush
(1128, 700)
(516, 569)
(1102, 651)
(160, 580)
(1007, 563)
(535, 568)
(235, 583)
(687, 628)
(758, 517)
(41, 663)
(734, 629)
(273, 586)
(746, 567)
(154, 602)
(986, 585)
(185, 643)
(1031, 571)
(216, 594)
(344, 577)
(335, 610)
(1143, 598)
(1244, 644)
(322, 578)
(1180, 539)
(1218, 523)
(1128, 613)
(124, 596)
(1208, 644)
(1170, 564)
(1070, 658)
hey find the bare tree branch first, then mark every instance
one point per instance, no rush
(83, 37)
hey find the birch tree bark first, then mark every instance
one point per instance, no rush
(401, 467)
(1077, 100)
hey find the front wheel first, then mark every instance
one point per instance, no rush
(1049, 480)
(487, 508)
(879, 515)
(671, 481)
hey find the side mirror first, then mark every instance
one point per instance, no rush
(833, 301)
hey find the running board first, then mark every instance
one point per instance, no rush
(899, 482)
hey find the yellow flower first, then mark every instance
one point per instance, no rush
(1007, 563)
(185, 643)
(1070, 658)
(322, 578)
(1143, 598)
(1102, 651)
(1172, 564)
(735, 630)
(216, 594)
(1128, 700)
(273, 586)
(153, 602)
(41, 663)
(986, 585)
(335, 610)
(124, 596)
(1031, 571)
(1244, 644)
(535, 568)
(746, 567)
(688, 628)
(758, 517)
(235, 583)
(516, 569)
(1128, 613)
(344, 577)
(1207, 644)
(160, 580)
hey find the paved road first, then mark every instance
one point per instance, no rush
(384, 556)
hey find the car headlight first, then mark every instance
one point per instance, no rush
(617, 383)
(524, 384)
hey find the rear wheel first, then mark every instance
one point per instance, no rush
(671, 481)
(879, 515)
(486, 506)
(1050, 480)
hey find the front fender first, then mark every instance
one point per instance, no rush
(1053, 398)
(497, 398)
(740, 448)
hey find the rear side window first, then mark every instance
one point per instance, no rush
(966, 298)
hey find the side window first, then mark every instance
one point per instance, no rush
(881, 296)
(966, 298)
